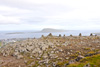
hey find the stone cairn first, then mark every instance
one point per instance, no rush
(80, 34)
(64, 35)
(42, 36)
(59, 35)
(50, 34)
(71, 35)
(91, 34)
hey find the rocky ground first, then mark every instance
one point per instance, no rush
(51, 51)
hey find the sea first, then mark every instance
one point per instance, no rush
(35, 34)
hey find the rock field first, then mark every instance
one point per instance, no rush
(49, 51)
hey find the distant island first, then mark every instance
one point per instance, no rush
(52, 30)
(16, 33)
(45, 30)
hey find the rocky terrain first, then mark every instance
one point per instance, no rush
(52, 51)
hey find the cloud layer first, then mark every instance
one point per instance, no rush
(38, 14)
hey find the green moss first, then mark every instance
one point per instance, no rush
(93, 61)
(36, 64)
(29, 62)
(74, 55)
(96, 50)
(62, 63)
(22, 53)
(76, 65)
(0, 44)
(86, 48)
(91, 52)
(77, 52)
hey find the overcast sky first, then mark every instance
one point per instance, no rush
(58, 14)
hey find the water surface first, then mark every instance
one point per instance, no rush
(32, 34)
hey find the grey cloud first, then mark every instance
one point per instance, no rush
(48, 14)
(34, 20)
(35, 7)
(42, 11)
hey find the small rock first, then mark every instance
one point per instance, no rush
(67, 58)
(87, 65)
(1, 61)
(19, 66)
(19, 56)
(72, 61)
(79, 58)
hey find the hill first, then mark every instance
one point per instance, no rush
(52, 30)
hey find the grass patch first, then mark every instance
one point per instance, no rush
(29, 62)
(86, 48)
(76, 65)
(93, 61)
(0, 44)
(91, 52)
(62, 63)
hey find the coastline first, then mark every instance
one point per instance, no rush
(32, 34)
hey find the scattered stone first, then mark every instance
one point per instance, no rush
(52, 52)
(72, 61)
(46, 51)
(87, 65)
(67, 58)
(19, 66)
(16, 54)
(19, 56)
(1, 61)
(79, 58)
